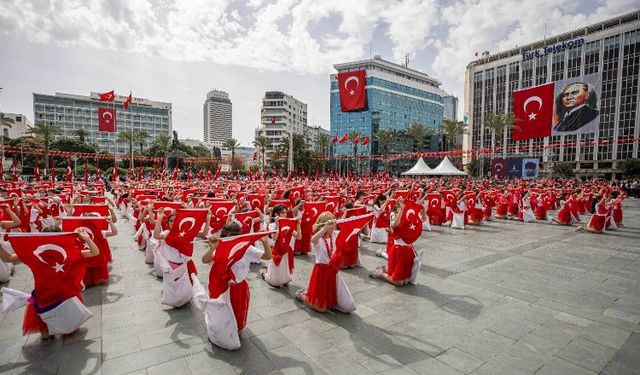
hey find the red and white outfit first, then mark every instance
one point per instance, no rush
(176, 269)
(280, 270)
(327, 289)
(598, 221)
(380, 225)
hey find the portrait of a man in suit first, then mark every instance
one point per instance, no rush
(575, 106)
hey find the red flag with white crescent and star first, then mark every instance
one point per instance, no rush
(311, 212)
(351, 87)
(220, 211)
(36, 171)
(344, 139)
(283, 242)
(410, 227)
(365, 141)
(349, 231)
(533, 109)
(335, 139)
(128, 101)
(56, 261)
(107, 120)
(186, 226)
(93, 209)
(108, 96)
(229, 251)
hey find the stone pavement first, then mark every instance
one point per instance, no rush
(503, 298)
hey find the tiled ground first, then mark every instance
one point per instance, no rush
(504, 298)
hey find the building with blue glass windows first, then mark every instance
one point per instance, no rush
(396, 98)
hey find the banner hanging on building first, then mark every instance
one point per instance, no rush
(351, 88)
(533, 109)
(530, 167)
(107, 120)
(515, 168)
(576, 109)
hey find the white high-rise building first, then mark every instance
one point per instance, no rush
(20, 127)
(281, 114)
(217, 118)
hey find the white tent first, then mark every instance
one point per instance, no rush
(420, 169)
(445, 168)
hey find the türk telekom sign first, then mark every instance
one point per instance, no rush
(552, 48)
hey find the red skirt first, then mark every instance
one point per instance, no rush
(435, 217)
(400, 262)
(32, 322)
(513, 209)
(477, 214)
(540, 212)
(564, 216)
(303, 245)
(502, 209)
(487, 213)
(322, 287)
(617, 216)
(597, 223)
(349, 254)
(239, 298)
(96, 275)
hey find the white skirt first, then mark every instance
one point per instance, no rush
(278, 275)
(379, 235)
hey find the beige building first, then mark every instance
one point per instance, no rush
(19, 128)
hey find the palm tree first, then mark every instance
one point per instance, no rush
(81, 134)
(385, 137)
(323, 145)
(450, 130)
(354, 137)
(163, 142)
(231, 144)
(140, 138)
(498, 124)
(45, 131)
(419, 132)
(261, 143)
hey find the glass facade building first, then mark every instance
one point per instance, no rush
(73, 112)
(396, 98)
(610, 49)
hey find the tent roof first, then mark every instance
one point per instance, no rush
(420, 169)
(446, 168)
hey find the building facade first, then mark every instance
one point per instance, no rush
(312, 135)
(20, 127)
(70, 112)
(396, 98)
(217, 118)
(450, 108)
(280, 114)
(610, 50)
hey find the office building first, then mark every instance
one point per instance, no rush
(450, 108)
(20, 127)
(281, 114)
(608, 51)
(70, 112)
(217, 118)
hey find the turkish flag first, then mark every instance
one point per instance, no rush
(356, 139)
(344, 138)
(246, 220)
(229, 251)
(56, 261)
(36, 171)
(349, 229)
(174, 175)
(69, 176)
(107, 120)
(295, 193)
(94, 227)
(410, 227)
(186, 226)
(257, 201)
(351, 86)
(220, 211)
(335, 139)
(311, 212)
(533, 107)
(365, 141)
(333, 203)
(116, 174)
(95, 209)
(283, 243)
(128, 101)
(107, 96)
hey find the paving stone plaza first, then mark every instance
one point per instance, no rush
(503, 298)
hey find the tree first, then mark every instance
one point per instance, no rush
(231, 144)
(127, 136)
(630, 168)
(140, 138)
(562, 169)
(45, 132)
(477, 167)
(451, 130)
(323, 141)
(261, 143)
(81, 134)
(498, 124)
(384, 138)
(73, 145)
(419, 132)
(352, 138)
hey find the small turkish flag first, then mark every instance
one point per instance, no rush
(533, 107)
(220, 211)
(332, 203)
(283, 243)
(56, 261)
(116, 173)
(356, 139)
(351, 86)
(257, 201)
(335, 139)
(365, 141)
(311, 212)
(350, 229)
(107, 96)
(410, 227)
(246, 220)
(36, 171)
(107, 120)
(94, 209)
(69, 175)
(174, 175)
(128, 101)
(229, 251)
(344, 138)
(186, 226)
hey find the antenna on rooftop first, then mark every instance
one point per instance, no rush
(406, 60)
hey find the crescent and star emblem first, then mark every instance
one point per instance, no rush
(107, 114)
(183, 231)
(51, 247)
(346, 83)
(237, 248)
(223, 209)
(532, 115)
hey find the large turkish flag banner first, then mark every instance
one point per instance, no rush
(107, 120)
(351, 86)
(533, 107)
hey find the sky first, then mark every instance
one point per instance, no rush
(178, 50)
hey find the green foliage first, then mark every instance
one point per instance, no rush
(561, 169)
(477, 165)
(73, 145)
(630, 167)
(450, 130)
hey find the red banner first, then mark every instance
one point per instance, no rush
(107, 120)
(533, 107)
(351, 86)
